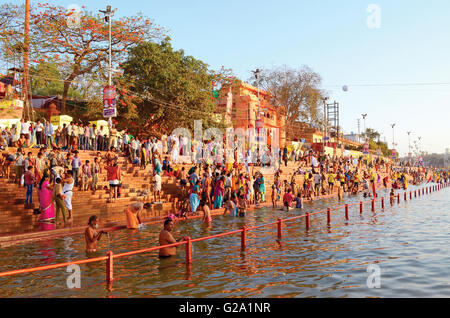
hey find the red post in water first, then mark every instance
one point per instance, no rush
(382, 203)
(398, 198)
(109, 267)
(415, 193)
(373, 205)
(405, 197)
(280, 234)
(329, 216)
(188, 250)
(244, 237)
(360, 207)
(410, 195)
(346, 212)
(307, 221)
(374, 189)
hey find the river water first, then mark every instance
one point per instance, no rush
(407, 244)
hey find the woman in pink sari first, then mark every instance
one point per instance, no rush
(45, 200)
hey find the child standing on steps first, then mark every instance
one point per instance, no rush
(85, 176)
(95, 170)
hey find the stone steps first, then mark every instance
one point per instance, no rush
(15, 218)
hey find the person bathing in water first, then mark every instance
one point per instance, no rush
(206, 212)
(91, 235)
(242, 206)
(230, 206)
(287, 200)
(166, 238)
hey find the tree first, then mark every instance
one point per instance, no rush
(383, 147)
(46, 80)
(372, 134)
(81, 48)
(296, 91)
(11, 30)
(163, 89)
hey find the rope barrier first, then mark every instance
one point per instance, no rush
(109, 258)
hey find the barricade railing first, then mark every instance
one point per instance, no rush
(110, 256)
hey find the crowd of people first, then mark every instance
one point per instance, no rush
(73, 136)
(212, 182)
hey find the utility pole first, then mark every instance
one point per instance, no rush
(26, 58)
(324, 122)
(359, 132)
(409, 145)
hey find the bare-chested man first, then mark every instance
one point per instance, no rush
(91, 235)
(183, 182)
(206, 193)
(166, 238)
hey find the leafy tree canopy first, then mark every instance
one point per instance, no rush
(163, 89)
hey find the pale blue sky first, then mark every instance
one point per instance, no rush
(333, 38)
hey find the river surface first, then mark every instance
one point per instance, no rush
(407, 244)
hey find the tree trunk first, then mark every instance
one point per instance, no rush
(64, 97)
(67, 84)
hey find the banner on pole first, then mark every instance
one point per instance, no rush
(109, 102)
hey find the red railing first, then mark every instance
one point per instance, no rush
(109, 258)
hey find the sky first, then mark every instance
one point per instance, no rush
(393, 56)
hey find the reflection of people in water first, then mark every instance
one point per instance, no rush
(47, 250)
(91, 235)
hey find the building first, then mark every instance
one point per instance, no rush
(354, 137)
(239, 105)
(314, 138)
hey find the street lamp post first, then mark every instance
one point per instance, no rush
(393, 136)
(420, 145)
(258, 120)
(364, 131)
(256, 73)
(108, 14)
